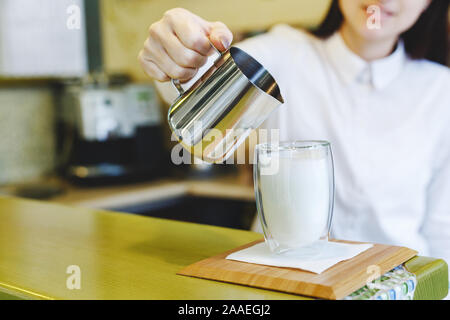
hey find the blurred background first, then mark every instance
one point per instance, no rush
(81, 124)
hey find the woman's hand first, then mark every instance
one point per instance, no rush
(178, 44)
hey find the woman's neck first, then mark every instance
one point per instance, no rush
(368, 50)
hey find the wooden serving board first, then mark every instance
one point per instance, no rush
(336, 282)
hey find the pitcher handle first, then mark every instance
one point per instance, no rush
(176, 83)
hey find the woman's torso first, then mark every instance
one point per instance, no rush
(385, 121)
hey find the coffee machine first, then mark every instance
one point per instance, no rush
(111, 132)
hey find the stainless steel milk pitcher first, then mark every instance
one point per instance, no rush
(213, 117)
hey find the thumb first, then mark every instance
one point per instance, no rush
(220, 36)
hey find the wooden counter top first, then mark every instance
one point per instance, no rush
(120, 256)
(123, 256)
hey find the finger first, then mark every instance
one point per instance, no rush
(183, 56)
(220, 36)
(151, 69)
(192, 34)
(160, 57)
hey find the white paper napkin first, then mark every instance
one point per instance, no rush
(316, 258)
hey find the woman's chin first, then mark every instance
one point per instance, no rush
(377, 34)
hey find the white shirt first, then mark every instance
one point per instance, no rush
(389, 125)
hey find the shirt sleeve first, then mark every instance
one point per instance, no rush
(436, 227)
(267, 49)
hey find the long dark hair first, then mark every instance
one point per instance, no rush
(426, 39)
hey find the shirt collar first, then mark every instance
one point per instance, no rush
(353, 69)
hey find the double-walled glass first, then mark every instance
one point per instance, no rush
(294, 187)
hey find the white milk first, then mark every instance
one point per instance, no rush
(296, 200)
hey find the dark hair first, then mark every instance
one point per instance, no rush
(426, 39)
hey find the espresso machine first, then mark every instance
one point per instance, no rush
(110, 131)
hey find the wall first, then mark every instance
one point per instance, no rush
(27, 136)
(35, 40)
(125, 22)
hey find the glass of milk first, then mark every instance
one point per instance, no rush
(294, 187)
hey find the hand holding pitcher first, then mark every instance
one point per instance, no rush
(179, 44)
